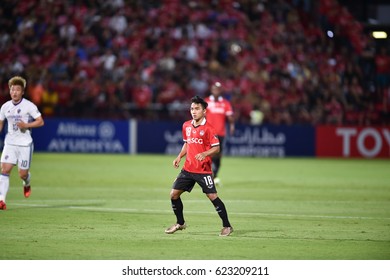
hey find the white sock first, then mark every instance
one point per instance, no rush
(4, 186)
(27, 181)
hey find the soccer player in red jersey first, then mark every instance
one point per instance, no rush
(219, 111)
(200, 143)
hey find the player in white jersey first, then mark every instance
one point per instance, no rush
(22, 115)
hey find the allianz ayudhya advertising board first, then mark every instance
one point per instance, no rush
(82, 136)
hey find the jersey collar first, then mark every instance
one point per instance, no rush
(212, 98)
(20, 101)
(202, 123)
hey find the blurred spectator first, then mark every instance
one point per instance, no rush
(169, 93)
(271, 55)
(36, 91)
(334, 112)
(382, 63)
(256, 116)
(142, 96)
(49, 102)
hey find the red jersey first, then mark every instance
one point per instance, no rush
(217, 111)
(199, 139)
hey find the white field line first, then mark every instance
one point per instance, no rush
(136, 210)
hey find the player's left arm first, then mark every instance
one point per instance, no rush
(212, 151)
(38, 122)
(232, 126)
(230, 118)
(214, 143)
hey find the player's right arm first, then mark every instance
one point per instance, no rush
(183, 152)
(2, 118)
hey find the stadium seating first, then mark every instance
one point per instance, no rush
(145, 59)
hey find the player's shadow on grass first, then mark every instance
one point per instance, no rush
(236, 233)
(244, 233)
(57, 206)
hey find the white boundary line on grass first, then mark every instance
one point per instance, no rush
(134, 210)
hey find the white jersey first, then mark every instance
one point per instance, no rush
(25, 111)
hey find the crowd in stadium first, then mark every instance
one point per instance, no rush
(289, 61)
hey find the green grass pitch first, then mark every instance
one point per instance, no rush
(103, 207)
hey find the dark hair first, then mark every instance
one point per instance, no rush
(199, 100)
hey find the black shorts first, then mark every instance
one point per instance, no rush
(186, 181)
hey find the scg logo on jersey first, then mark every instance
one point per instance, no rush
(194, 140)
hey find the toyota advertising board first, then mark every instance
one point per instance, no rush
(354, 142)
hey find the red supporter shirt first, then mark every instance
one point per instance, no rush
(199, 139)
(217, 111)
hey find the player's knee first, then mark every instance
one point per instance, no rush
(23, 175)
(212, 196)
(5, 170)
(174, 194)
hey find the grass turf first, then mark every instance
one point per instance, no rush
(93, 207)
